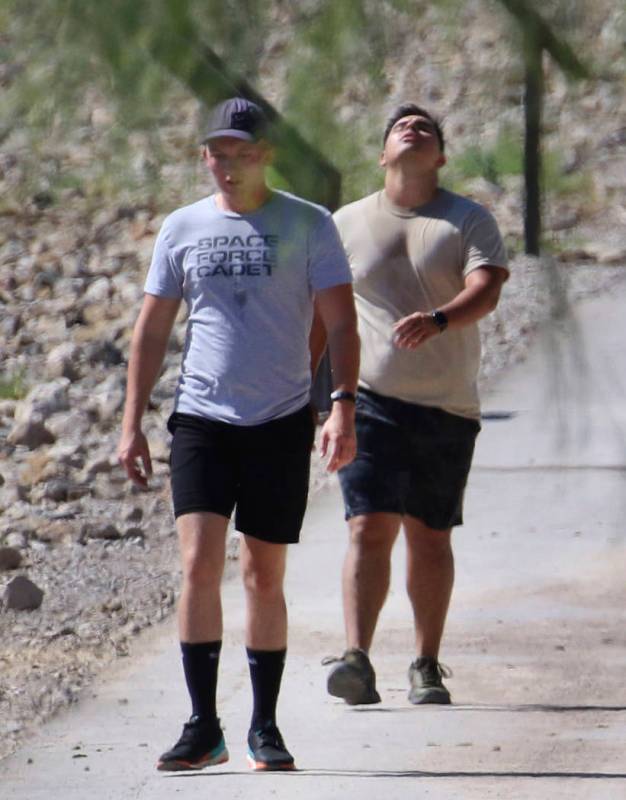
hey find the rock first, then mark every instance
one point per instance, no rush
(17, 540)
(134, 514)
(62, 362)
(22, 594)
(56, 490)
(97, 465)
(43, 400)
(99, 530)
(99, 291)
(10, 558)
(103, 352)
(58, 531)
(109, 397)
(32, 434)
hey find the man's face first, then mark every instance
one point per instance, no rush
(413, 137)
(237, 165)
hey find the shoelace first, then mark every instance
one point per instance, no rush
(270, 735)
(434, 668)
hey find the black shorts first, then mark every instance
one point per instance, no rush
(411, 459)
(262, 470)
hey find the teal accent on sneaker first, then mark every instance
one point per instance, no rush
(201, 744)
(267, 751)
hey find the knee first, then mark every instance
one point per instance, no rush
(433, 547)
(368, 537)
(200, 572)
(263, 585)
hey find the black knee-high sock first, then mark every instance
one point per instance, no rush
(266, 672)
(200, 663)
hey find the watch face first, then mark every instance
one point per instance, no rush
(440, 319)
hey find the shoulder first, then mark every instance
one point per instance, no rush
(459, 208)
(298, 207)
(356, 208)
(179, 220)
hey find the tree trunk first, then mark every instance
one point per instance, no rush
(533, 98)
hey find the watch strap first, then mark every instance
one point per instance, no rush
(342, 394)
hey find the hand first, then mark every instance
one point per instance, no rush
(338, 439)
(412, 331)
(133, 454)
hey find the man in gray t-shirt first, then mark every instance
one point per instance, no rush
(248, 262)
(427, 265)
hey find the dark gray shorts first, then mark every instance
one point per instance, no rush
(410, 459)
(262, 470)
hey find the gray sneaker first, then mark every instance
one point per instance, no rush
(352, 678)
(425, 676)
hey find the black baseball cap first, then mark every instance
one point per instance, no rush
(237, 117)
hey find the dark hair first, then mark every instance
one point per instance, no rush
(410, 110)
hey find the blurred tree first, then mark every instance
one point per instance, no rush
(136, 50)
(537, 37)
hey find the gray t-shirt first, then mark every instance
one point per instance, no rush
(248, 281)
(407, 260)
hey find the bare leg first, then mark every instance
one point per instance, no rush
(429, 580)
(263, 571)
(202, 540)
(366, 574)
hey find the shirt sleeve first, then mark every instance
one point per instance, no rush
(328, 263)
(482, 243)
(165, 277)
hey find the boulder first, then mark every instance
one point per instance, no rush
(10, 558)
(62, 362)
(43, 400)
(31, 433)
(22, 594)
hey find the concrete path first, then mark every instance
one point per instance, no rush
(536, 634)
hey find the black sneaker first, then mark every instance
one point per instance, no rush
(352, 678)
(267, 751)
(201, 745)
(425, 676)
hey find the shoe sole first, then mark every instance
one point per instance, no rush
(435, 697)
(351, 688)
(211, 760)
(261, 766)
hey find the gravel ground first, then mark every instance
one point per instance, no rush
(100, 594)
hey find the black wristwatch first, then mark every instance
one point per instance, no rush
(440, 319)
(342, 394)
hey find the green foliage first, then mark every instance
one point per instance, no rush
(503, 157)
(153, 62)
(13, 387)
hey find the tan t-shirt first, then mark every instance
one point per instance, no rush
(407, 260)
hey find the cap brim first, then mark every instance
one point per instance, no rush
(231, 132)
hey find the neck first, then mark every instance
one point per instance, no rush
(243, 202)
(409, 191)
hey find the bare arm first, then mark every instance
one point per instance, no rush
(478, 298)
(317, 340)
(337, 312)
(147, 351)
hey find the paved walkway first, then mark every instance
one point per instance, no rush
(536, 634)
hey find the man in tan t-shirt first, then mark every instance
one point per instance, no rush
(427, 265)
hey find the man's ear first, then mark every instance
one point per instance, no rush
(382, 161)
(268, 154)
(204, 153)
(441, 160)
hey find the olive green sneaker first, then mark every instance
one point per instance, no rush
(425, 676)
(352, 678)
